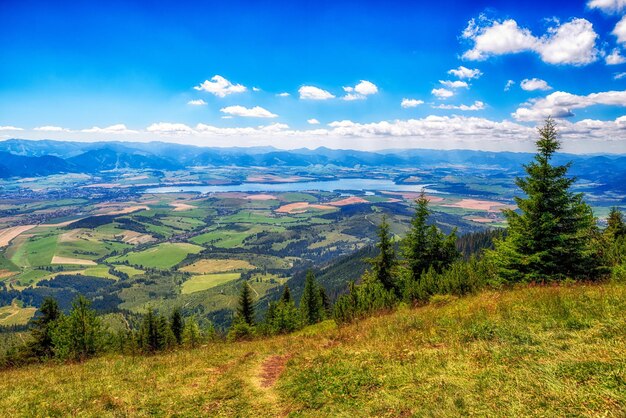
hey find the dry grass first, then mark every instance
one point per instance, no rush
(73, 261)
(7, 234)
(208, 266)
(528, 352)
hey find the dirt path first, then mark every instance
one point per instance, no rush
(263, 379)
(271, 369)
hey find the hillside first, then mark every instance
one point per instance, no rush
(541, 351)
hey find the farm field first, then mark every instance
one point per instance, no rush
(207, 281)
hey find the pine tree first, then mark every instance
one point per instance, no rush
(550, 238)
(383, 264)
(192, 336)
(245, 310)
(425, 246)
(311, 303)
(615, 225)
(78, 335)
(177, 325)
(41, 346)
(286, 296)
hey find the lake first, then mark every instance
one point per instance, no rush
(326, 186)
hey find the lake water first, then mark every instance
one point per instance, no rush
(326, 186)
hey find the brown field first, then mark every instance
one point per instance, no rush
(301, 207)
(261, 197)
(181, 207)
(348, 201)
(415, 195)
(271, 178)
(74, 261)
(7, 235)
(6, 273)
(481, 220)
(475, 204)
(207, 266)
(60, 224)
(134, 237)
(120, 209)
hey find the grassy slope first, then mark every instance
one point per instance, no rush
(532, 351)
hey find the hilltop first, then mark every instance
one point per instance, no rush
(542, 351)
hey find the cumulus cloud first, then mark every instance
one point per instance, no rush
(442, 93)
(283, 94)
(608, 6)
(614, 58)
(406, 103)
(508, 85)
(465, 73)
(456, 84)
(254, 112)
(10, 128)
(561, 104)
(198, 102)
(314, 93)
(478, 105)
(532, 84)
(49, 128)
(169, 128)
(620, 31)
(360, 92)
(220, 87)
(313, 121)
(119, 128)
(573, 42)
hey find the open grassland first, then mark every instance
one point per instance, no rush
(207, 281)
(207, 266)
(162, 256)
(15, 315)
(543, 351)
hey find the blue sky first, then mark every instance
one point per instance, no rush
(212, 73)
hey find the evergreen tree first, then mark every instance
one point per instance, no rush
(425, 246)
(311, 307)
(78, 335)
(550, 238)
(41, 346)
(192, 336)
(177, 325)
(245, 310)
(383, 264)
(286, 296)
(153, 332)
(615, 225)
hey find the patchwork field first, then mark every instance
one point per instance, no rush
(161, 256)
(207, 281)
(206, 266)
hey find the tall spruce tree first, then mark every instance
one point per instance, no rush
(550, 238)
(286, 296)
(177, 325)
(425, 246)
(245, 310)
(311, 305)
(383, 264)
(41, 345)
(615, 225)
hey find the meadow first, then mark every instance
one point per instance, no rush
(530, 351)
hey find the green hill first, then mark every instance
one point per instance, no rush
(531, 351)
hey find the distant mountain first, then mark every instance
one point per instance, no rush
(109, 159)
(20, 166)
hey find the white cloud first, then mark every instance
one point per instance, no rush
(508, 85)
(614, 58)
(253, 112)
(442, 93)
(620, 30)
(619, 76)
(10, 128)
(406, 103)
(478, 105)
(169, 128)
(198, 102)
(360, 91)
(607, 6)
(256, 89)
(454, 84)
(314, 93)
(313, 121)
(119, 128)
(465, 73)
(533, 84)
(220, 87)
(573, 42)
(49, 128)
(561, 104)
(283, 94)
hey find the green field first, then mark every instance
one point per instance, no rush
(161, 256)
(207, 281)
(131, 271)
(33, 251)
